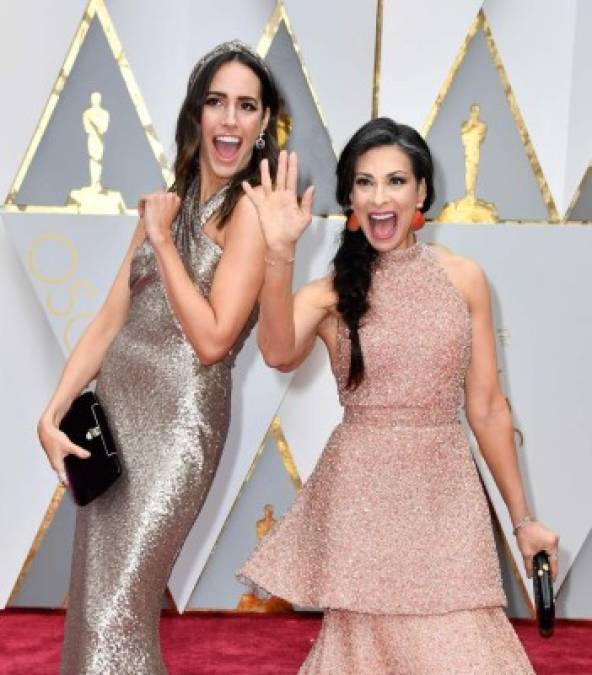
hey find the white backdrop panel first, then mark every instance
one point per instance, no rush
(419, 44)
(579, 141)
(34, 38)
(164, 40)
(542, 34)
(30, 363)
(341, 34)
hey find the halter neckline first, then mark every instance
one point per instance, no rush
(398, 255)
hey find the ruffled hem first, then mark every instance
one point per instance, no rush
(475, 642)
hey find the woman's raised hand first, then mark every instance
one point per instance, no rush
(282, 218)
(158, 211)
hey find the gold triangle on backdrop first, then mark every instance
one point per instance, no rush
(481, 23)
(95, 8)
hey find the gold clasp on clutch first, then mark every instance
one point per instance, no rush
(95, 432)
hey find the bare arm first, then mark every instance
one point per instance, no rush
(288, 324)
(213, 324)
(85, 361)
(489, 415)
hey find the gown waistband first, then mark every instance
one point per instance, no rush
(399, 417)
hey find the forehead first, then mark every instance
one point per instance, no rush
(383, 160)
(236, 79)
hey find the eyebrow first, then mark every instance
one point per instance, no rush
(221, 94)
(388, 175)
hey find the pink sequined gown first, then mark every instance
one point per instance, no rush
(391, 533)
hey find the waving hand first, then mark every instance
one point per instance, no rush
(282, 218)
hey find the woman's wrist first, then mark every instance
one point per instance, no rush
(283, 253)
(54, 413)
(522, 522)
(161, 241)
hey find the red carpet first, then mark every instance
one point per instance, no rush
(224, 644)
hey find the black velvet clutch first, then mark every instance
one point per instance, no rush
(85, 425)
(543, 594)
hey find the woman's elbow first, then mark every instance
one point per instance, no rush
(272, 357)
(481, 413)
(276, 362)
(209, 355)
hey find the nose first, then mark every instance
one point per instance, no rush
(230, 115)
(379, 195)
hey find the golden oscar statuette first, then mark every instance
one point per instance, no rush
(94, 198)
(255, 600)
(284, 129)
(470, 209)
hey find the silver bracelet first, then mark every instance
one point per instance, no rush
(521, 523)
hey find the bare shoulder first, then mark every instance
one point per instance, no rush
(243, 224)
(244, 213)
(464, 273)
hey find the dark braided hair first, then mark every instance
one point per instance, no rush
(188, 130)
(355, 259)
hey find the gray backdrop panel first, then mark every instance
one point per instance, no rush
(309, 137)
(129, 165)
(269, 484)
(505, 174)
(582, 209)
(47, 582)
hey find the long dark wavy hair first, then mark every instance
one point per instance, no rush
(355, 259)
(188, 132)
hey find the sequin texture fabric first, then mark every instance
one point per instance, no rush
(392, 529)
(169, 415)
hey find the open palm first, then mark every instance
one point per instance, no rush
(283, 219)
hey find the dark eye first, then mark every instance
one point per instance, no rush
(362, 181)
(213, 100)
(397, 180)
(247, 105)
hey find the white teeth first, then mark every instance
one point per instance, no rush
(228, 139)
(382, 216)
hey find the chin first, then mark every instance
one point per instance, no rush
(225, 168)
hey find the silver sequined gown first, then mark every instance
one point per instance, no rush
(170, 416)
(391, 533)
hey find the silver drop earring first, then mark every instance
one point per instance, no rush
(260, 142)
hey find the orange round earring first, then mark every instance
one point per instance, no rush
(352, 223)
(418, 220)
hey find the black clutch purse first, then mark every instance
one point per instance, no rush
(543, 594)
(85, 425)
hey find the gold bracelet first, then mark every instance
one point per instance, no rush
(280, 261)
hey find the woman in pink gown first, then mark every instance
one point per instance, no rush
(391, 534)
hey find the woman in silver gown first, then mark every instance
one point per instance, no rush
(161, 348)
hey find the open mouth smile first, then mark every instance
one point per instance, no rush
(227, 147)
(383, 225)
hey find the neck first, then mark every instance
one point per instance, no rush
(209, 183)
(408, 250)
